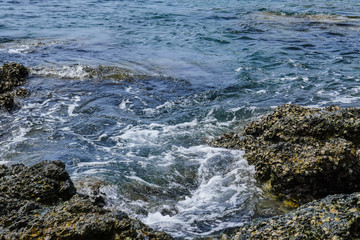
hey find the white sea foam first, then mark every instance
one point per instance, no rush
(166, 105)
(72, 107)
(238, 69)
(225, 179)
(355, 90)
(67, 72)
(22, 49)
(320, 18)
(19, 136)
(90, 172)
(137, 135)
(246, 68)
(123, 104)
(91, 164)
(288, 78)
(138, 179)
(182, 126)
(29, 46)
(336, 97)
(128, 89)
(346, 99)
(156, 135)
(261, 91)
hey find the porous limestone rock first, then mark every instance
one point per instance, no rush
(303, 153)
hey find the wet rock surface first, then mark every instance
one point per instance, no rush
(12, 75)
(41, 202)
(334, 217)
(303, 153)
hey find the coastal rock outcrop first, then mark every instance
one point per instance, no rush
(303, 153)
(41, 202)
(12, 75)
(334, 217)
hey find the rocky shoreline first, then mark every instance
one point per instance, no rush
(308, 157)
(41, 202)
(300, 155)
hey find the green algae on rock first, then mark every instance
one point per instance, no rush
(41, 202)
(12, 75)
(303, 153)
(334, 217)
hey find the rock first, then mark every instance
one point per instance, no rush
(94, 188)
(11, 76)
(77, 218)
(44, 183)
(302, 153)
(41, 202)
(334, 217)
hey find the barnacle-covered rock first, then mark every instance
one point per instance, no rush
(11, 76)
(303, 153)
(334, 217)
(41, 202)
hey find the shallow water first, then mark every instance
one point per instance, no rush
(130, 91)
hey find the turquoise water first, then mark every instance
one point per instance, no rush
(129, 92)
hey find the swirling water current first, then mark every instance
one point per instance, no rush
(128, 92)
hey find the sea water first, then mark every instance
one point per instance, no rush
(130, 92)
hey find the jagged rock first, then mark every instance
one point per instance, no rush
(43, 183)
(11, 76)
(334, 217)
(303, 153)
(40, 202)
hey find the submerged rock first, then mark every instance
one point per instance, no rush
(11, 76)
(41, 202)
(334, 217)
(303, 153)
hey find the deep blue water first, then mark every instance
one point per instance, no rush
(129, 92)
